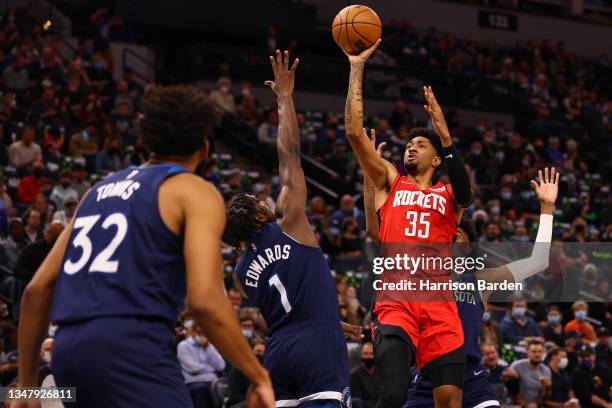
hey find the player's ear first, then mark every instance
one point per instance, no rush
(436, 161)
(205, 149)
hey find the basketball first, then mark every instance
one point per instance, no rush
(356, 28)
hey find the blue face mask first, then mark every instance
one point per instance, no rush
(554, 319)
(518, 312)
(248, 333)
(586, 364)
(526, 195)
(506, 195)
(581, 314)
(197, 339)
(486, 316)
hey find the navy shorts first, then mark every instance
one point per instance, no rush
(119, 362)
(477, 392)
(308, 365)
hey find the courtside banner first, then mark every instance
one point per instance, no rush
(433, 272)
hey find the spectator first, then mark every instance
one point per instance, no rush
(516, 326)
(45, 376)
(591, 383)
(122, 122)
(85, 142)
(16, 77)
(350, 242)
(400, 116)
(238, 383)
(561, 394)
(26, 151)
(53, 141)
(32, 230)
(79, 180)
(35, 253)
(200, 361)
(64, 190)
(248, 326)
(6, 207)
(111, 158)
(122, 97)
(268, 131)
(533, 376)
(365, 380)
(489, 329)
(495, 367)
(8, 364)
(235, 298)
(46, 109)
(12, 244)
(222, 95)
(603, 348)
(493, 233)
(553, 331)
(138, 156)
(98, 72)
(348, 210)
(580, 324)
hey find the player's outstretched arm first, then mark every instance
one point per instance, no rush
(459, 178)
(369, 193)
(372, 165)
(547, 189)
(204, 222)
(35, 309)
(292, 198)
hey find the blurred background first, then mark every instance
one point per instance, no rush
(524, 84)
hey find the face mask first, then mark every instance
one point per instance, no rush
(518, 312)
(526, 195)
(224, 89)
(476, 152)
(248, 333)
(506, 195)
(586, 364)
(46, 357)
(554, 319)
(526, 163)
(188, 324)
(500, 156)
(368, 362)
(581, 314)
(521, 238)
(495, 210)
(481, 128)
(562, 363)
(85, 135)
(486, 316)
(197, 339)
(489, 140)
(246, 91)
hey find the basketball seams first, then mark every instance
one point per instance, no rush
(346, 18)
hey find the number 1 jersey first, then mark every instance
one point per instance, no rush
(289, 282)
(121, 259)
(413, 215)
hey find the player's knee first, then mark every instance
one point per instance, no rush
(394, 389)
(447, 396)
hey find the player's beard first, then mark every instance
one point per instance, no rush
(410, 166)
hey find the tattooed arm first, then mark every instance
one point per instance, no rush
(372, 165)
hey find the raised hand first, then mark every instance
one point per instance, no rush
(363, 56)
(284, 77)
(379, 150)
(548, 186)
(437, 116)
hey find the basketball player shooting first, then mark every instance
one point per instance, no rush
(413, 209)
(115, 280)
(477, 391)
(285, 274)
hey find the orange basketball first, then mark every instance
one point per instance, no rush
(356, 28)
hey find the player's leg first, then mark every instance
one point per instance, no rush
(420, 394)
(394, 356)
(446, 375)
(276, 361)
(477, 392)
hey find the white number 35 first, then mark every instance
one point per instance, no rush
(101, 262)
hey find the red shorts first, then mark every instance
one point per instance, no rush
(434, 327)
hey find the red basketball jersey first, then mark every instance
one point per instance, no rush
(410, 214)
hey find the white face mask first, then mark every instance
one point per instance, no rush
(188, 324)
(562, 363)
(46, 357)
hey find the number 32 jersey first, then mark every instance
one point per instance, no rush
(121, 259)
(413, 215)
(289, 282)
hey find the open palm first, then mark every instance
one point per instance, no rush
(284, 77)
(548, 186)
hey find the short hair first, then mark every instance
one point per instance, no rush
(535, 342)
(468, 227)
(430, 135)
(555, 351)
(553, 308)
(244, 318)
(578, 304)
(488, 344)
(176, 121)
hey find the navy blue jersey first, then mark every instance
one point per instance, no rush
(289, 282)
(121, 259)
(470, 307)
